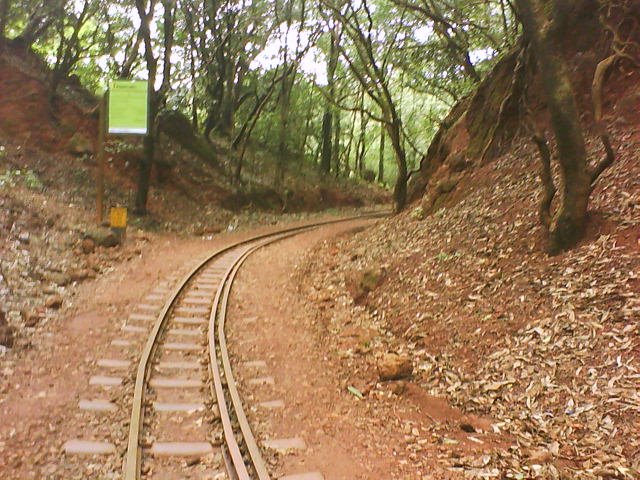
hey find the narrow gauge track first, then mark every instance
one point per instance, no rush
(199, 300)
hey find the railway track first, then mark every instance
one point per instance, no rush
(186, 404)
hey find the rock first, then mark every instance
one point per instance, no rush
(417, 213)
(88, 246)
(103, 237)
(212, 229)
(80, 274)
(80, 145)
(60, 279)
(6, 331)
(31, 319)
(399, 387)
(363, 282)
(467, 427)
(54, 302)
(394, 367)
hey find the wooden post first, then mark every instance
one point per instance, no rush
(100, 175)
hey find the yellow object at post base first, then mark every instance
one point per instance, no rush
(118, 217)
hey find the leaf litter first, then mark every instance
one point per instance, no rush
(546, 347)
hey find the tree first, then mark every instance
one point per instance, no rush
(41, 15)
(566, 225)
(73, 41)
(146, 12)
(368, 61)
(381, 156)
(327, 119)
(4, 18)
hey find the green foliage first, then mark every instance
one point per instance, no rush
(228, 58)
(445, 257)
(17, 177)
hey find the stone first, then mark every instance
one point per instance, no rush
(272, 404)
(394, 367)
(178, 407)
(87, 246)
(30, 318)
(164, 382)
(179, 365)
(105, 381)
(181, 449)
(54, 302)
(284, 445)
(103, 237)
(303, 476)
(182, 346)
(80, 145)
(467, 427)
(97, 405)
(399, 387)
(84, 447)
(361, 283)
(261, 381)
(60, 279)
(80, 274)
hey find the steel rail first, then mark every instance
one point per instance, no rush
(240, 470)
(132, 461)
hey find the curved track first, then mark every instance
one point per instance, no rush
(200, 299)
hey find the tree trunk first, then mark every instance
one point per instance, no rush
(146, 163)
(227, 107)
(283, 132)
(568, 224)
(325, 158)
(400, 189)
(347, 153)
(335, 150)
(327, 119)
(381, 155)
(4, 15)
(144, 174)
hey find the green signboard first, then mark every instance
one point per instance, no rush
(128, 103)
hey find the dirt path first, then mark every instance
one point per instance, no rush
(382, 436)
(268, 323)
(40, 386)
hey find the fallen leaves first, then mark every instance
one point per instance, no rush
(547, 347)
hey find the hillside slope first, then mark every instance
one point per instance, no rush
(547, 348)
(47, 196)
(59, 145)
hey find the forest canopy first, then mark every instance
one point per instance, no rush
(358, 87)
